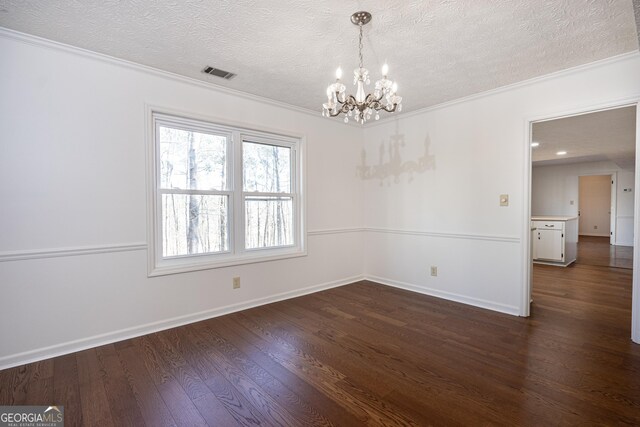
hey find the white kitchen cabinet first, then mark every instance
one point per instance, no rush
(550, 245)
(554, 240)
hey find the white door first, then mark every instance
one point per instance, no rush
(612, 211)
(549, 245)
(594, 203)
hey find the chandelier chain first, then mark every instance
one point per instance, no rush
(360, 46)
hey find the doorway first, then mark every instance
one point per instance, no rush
(583, 163)
(596, 206)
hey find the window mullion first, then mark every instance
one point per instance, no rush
(158, 246)
(293, 181)
(265, 194)
(193, 192)
(239, 213)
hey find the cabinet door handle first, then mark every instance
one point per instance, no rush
(550, 226)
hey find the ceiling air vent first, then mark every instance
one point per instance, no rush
(218, 73)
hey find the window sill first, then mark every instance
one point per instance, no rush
(189, 265)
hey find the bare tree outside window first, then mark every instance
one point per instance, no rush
(221, 195)
(192, 169)
(269, 210)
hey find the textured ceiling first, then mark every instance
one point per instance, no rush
(437, 50)
(605, 135)
(636, 12)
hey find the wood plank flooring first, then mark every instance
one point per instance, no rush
(597, 251)
(365, 354)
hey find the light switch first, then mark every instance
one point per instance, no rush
(504, 200)
(571, 202)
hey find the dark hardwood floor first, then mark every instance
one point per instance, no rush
(597, 251)
(365, 354)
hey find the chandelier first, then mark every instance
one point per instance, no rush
(362, 106)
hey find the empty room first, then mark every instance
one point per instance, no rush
(319, 213)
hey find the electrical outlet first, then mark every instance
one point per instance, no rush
(595, 227)
(236, 283)
(434, 270)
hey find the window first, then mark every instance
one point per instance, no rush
(221, 196)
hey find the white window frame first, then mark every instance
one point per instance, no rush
(236, 253)
(293, 194)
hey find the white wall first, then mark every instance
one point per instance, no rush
(72, 181)
(72, 185)
(594, 204)
(553, 187)
(449, 214)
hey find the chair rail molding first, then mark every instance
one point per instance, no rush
(447, 235)
(70, 251)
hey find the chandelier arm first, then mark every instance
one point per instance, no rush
(377, 106)
(370, 99)
(337, 112)
(343, 109)
(351, 100)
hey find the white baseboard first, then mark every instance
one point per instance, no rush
(476, 302)
(616, 243)
(136, 331)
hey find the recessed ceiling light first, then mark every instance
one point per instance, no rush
(535, 144)
(561, 153)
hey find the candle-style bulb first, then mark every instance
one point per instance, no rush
(339, 73)
(385, 69)
(394, 88)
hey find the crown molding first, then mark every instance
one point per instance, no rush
(517, 85)
(50, 44)
(47, 43)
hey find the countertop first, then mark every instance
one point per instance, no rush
(553, 218)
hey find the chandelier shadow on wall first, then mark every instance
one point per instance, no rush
(362, 106)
